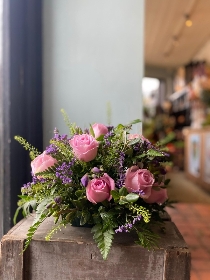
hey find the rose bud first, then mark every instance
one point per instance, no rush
(99, 129)
(85, 180)
(95, 170)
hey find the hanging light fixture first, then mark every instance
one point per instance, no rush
(188, 21)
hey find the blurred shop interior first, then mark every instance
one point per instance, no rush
(176, 94)
(176, 86)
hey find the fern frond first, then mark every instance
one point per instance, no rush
(33, 229)
(147, 238)
(54, 230)
(103, 238)
(153, 153)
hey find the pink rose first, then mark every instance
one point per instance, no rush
(99, 129)
(42, 162)
(99, 189)
(133, 136)
(85, 147)
(139, 181)
(157, 196)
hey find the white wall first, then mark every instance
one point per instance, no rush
(93, 55)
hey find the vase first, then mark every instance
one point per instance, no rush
(76, 223)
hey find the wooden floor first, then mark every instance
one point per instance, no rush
(193, 221)
(184, 190)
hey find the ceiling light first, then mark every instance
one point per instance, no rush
(188, 21)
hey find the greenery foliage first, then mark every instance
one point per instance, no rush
(58, 191)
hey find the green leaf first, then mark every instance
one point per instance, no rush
(79, 193)
(133, 141)
(33, 204)
(115, 195)
(100, 138)
(105, 203)
(42, 209)
(16, 214)
(92, 131)
(123, 201)
(129, 152)
(170, 137)
(147, 238)
(132, 197)
(79, 203)
(167, 181)
(33, 229)
(53, 189)
(103, 238)
(85, 217)
(154, 153)
(71, 216)
(96, 228)
(123, 191)
(120, 127)
(135, 121)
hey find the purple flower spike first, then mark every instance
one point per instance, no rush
(85, 180)
(96, 170)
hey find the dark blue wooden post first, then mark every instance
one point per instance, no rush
(20, 99)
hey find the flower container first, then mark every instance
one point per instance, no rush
(73, 255)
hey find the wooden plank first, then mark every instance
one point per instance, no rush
(11, 260)
(177, 264)
(72, 254)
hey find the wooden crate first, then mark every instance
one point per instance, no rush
(73, 255)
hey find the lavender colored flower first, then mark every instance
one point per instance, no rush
(62, 138)
(124, 228)
(136, 219)
(128, 226)
(110, 127)
(106, 138)
(52, 149)
(64, 172)
(137, 147)
(120, 170)
(36, 179)
(139, 192)
(84, 180)
(26, 186)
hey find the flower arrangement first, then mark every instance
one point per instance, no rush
(104, 177)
